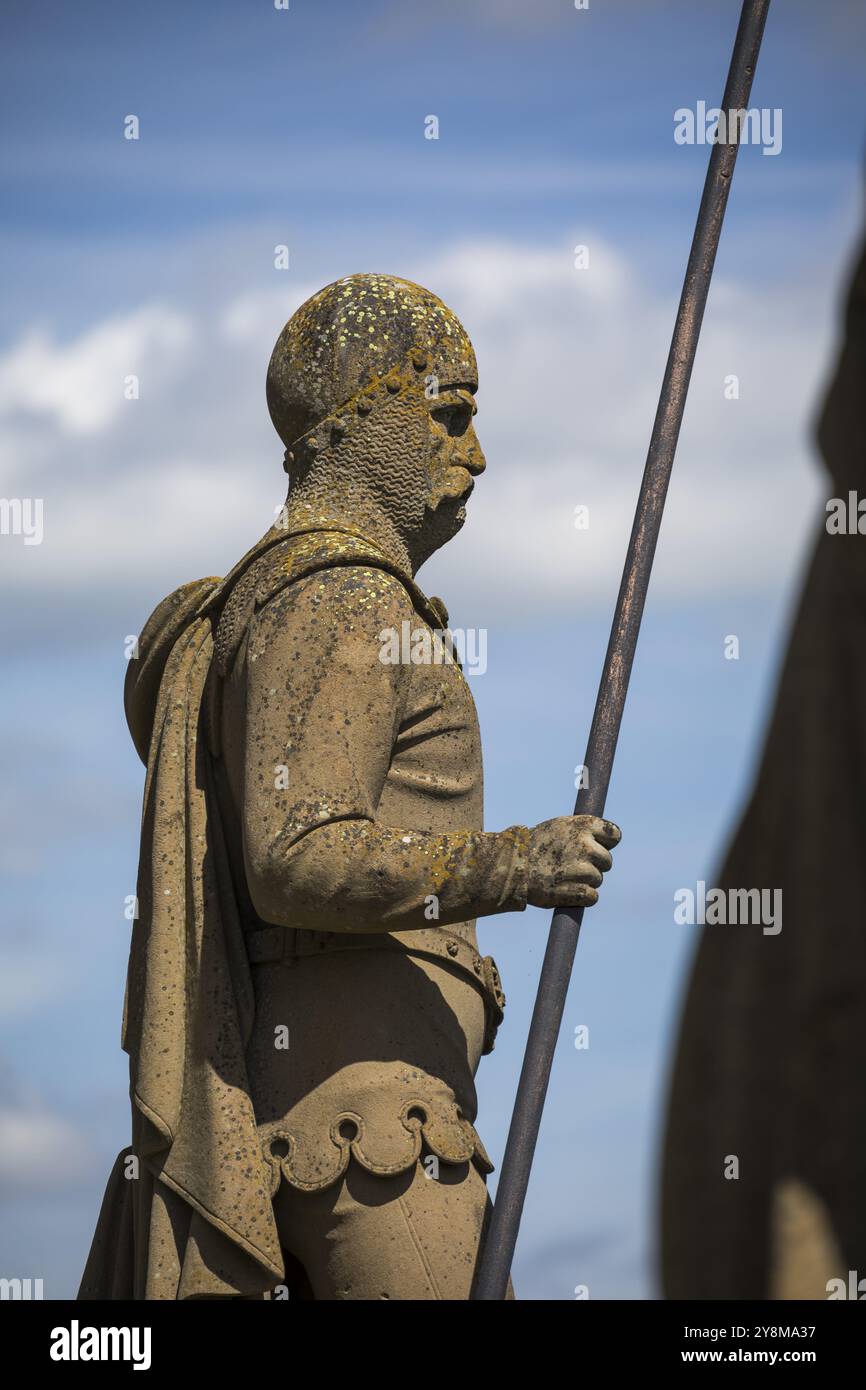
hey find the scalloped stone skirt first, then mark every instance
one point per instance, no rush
(409, 1237)
(367, 1056)
(362, 1072)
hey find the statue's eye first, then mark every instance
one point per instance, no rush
(453, 418)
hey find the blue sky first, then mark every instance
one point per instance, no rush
(155, 257)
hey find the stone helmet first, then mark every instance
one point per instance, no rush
(363, 342)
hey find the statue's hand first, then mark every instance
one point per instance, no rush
(567, 858)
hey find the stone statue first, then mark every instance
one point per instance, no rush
(768, 1067)
(306, 1004)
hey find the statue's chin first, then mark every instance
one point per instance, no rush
(441, 524)
(449, 516)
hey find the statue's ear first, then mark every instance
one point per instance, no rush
(144, 671)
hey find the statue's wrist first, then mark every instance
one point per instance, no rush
(516, 888)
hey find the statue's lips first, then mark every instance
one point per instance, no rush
(462, 487)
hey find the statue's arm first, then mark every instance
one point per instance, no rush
(322, 714)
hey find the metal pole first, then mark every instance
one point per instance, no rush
(501, 1237)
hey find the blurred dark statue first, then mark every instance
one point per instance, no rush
(769, 1066)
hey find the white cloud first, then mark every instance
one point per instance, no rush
(79, 386)
(571, 363)
(149, 493)
(39, 1150)
(249, 319)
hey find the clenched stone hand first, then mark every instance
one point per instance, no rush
(567, 858)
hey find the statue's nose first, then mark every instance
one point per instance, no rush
(475, 460)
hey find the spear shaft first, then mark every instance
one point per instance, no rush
(501, 1236)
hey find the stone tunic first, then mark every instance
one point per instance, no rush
(354, 786)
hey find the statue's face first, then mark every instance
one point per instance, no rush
(456, 459)
(347, 392)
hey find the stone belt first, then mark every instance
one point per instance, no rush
(272, 945)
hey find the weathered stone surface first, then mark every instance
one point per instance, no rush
(306, 1003)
